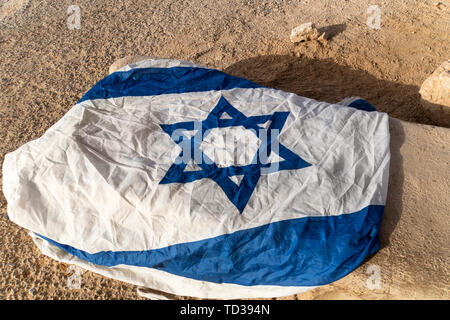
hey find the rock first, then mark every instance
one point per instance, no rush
(435, 95)
(118, 64)
(304, 32)
(323, 37)
(440, 5)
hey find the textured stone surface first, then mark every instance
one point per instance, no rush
(304, 32)
(435, 94)
(10, 7)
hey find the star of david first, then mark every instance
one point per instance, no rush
(238, 194)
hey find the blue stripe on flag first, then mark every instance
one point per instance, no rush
(307, 251)
(156, 81)
(363, 105)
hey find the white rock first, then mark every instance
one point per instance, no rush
(435, 94)
(304, 32)
(118, 64)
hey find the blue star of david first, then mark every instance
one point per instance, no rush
(240, 194)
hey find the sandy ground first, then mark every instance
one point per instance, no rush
(45, 67)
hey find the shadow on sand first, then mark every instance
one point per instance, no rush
(327, 81)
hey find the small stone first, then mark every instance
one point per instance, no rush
(435, 95)
(440, 5)
(118, 64)
(304, 32)
(323, 37)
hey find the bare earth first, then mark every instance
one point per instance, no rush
(45, 68)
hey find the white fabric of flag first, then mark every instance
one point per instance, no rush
(190, 181)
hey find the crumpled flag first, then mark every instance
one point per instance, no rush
(193, 182)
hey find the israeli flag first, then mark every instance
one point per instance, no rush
(190, 181)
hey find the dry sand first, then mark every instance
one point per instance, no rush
(45, 68)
